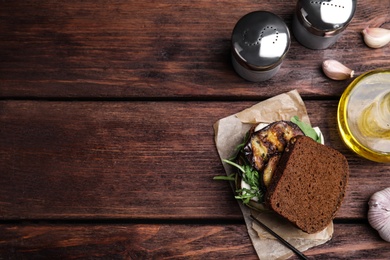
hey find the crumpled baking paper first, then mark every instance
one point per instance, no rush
(229, 132)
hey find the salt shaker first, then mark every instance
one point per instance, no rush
(260, 42)
(319, 24)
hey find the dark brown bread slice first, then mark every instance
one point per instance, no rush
(309, 184)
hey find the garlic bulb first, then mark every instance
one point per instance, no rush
(376, 37)
(379, 213)
(335, 70)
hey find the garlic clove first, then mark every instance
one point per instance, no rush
(376, 37)
(336, 71)
(379, 213)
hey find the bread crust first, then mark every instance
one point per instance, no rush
(309, 184)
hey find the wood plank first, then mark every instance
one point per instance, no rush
(136, 160)
(168, 241)
(150, 241)
(352, 241)
(149, 49)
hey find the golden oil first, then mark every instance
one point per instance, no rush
(375, 119)
(364, 115)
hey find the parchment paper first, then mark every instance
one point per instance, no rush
(229, 132)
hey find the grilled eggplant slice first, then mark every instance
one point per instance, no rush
(266, 145)
(269, 169)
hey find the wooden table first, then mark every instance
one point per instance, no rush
(106, 113)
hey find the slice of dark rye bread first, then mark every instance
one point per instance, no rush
(309, 184)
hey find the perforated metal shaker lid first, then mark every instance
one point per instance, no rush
(260, 40)
(327, 17)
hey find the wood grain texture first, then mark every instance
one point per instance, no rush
(126, 242)
(106, 114)
(170, 48)
(168, 241)
(137, 160)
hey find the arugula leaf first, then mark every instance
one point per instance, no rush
(247, 194)
(241, 168)
(306, 129)
(225, 178)
(251, 177)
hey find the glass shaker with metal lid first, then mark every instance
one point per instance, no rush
(319, 24)
(260, 41)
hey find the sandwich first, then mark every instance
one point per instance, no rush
(284, 167)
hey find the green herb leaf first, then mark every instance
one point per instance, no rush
(230, 177)
(235, 165)
(247, 194)
(251, 177)
(306, 129)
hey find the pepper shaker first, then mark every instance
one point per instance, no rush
(319, 24)
(260, 42)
